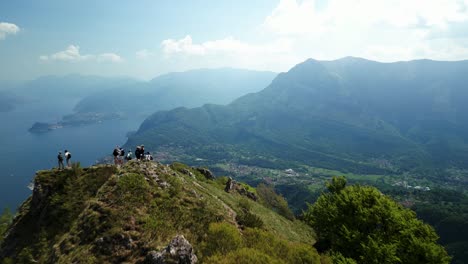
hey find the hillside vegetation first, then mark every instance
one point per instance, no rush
(147, 212)
(103, 214)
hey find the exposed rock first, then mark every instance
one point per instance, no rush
(189, 173)
(206, 172)
(229, 185)
(232, 185)
(178, 251)
(39, 195)
(110, 244)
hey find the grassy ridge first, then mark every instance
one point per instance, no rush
(103, 214)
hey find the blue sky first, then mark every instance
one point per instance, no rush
(143, 39)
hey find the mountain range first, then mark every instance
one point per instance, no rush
(349, 114)
(189, 89)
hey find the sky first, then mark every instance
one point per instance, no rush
(146, 38)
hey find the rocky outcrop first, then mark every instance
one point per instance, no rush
(178, 251)
(110, 244)
(232, 185)
(206, 172)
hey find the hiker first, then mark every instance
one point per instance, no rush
(137, 152)
(142, 152)
(129, 155)
(148, 156)
(68, 157)
(116, 154)
(121, 155)
(60, 161)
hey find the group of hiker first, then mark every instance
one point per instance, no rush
(141, 155)
(120, 157)
(60, 159)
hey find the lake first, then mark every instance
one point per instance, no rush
(23, 153)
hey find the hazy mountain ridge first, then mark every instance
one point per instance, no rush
(8, 101)
(189, 89)
(67, 87)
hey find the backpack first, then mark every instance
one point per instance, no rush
(68, 155)
(115, 153)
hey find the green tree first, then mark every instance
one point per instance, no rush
(360, 223)
(274, 201)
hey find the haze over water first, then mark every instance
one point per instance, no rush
(24, 153)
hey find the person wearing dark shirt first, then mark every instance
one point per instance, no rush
(60, 161)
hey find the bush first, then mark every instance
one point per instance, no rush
(242, 256)
(245, 217)
(221, 239)
(272, 200)
(278, 248)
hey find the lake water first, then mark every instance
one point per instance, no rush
(23, 153)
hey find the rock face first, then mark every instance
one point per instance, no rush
(232, 185)
(206, 172)
(178, 251)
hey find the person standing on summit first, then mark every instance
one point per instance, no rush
(142, 152)
(116, 154)
(68, 157)
(60, 161)
(138, 153)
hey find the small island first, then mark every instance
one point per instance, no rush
(77, 119)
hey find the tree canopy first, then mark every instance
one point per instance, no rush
(360, 223)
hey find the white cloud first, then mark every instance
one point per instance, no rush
(295, 30)
(226, 46)
(8, 28)
(385, 30)
(304, 17)
(72, 54)
(144, 54)
(439, 50)
(109, 57)
(229, 52)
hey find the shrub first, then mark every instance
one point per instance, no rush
(242, 256)
(245, 217)
(221, 239)
(278, 248)
(272, 200)
(248, 219)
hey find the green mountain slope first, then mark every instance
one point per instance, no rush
(103, 214)
(342, 115)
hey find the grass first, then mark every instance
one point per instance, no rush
(291, 230)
